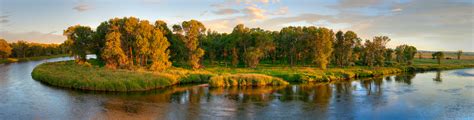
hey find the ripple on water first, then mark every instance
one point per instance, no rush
(465, 73)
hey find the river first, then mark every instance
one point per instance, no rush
(429, 95)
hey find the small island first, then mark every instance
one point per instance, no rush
(137, 55)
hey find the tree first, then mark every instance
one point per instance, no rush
(439, 56)
(459, 53)
(343, 47)
(321, 41)
(193, 29)
(5, 49)
(374, 51)
(389, 55)
(79, 38)
(260, 43)
(159, 51)
(112, 53)
(405, 54)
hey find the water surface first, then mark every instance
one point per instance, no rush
(430, 95)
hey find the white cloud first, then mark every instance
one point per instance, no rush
(397, 10)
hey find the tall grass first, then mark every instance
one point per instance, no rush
(70, 75)
(95, 77)
(245, 80)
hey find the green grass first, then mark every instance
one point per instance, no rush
(445, 62)
(70, 75)
(94, 76)
(245, 80)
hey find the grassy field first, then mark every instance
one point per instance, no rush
(12, 60)
(95, 77)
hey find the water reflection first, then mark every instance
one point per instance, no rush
(438, 77)
(413, 96)
(405, 77)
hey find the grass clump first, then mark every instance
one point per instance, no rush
(245, 80)
(71, 75)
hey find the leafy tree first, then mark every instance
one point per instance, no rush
(343, 47)
(439, 56)
(405, 54)
(374, 51)
(459, 53)
(260, 43)
(389, 55)
(159, 51)
(321, 41)
(79, 38)
(290, 39)
(112, 53)
(5, 49)
(193, 29)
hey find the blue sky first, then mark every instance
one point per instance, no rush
(429, 25)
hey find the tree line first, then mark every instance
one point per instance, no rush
(133, 43)
(23, 49)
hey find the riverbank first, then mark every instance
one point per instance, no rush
(12, 60)
(93, 77)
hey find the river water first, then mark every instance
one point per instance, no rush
(429, 95)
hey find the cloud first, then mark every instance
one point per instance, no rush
(397, 10)
(81, 7)
(358, 3)
(254, 13)
(281, 11)
(4, 19)
(230, 3)
(32, 36)
(226, 11)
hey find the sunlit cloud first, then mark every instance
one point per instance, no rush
(226, 11)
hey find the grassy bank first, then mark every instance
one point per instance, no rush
(12, 60)
(245, 80)
(70, 75)
(92, 77)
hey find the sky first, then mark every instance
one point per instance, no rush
(436, 25)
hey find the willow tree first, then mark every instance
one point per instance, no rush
(5, 49)
(192, 30)
(321, 41)
(79, 38)
(112, 54)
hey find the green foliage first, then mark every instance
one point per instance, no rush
(405, 54)
(374, 51)
(343, 47)
(439, 56)
(192, 30)
(79, 38)
(321, 41)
